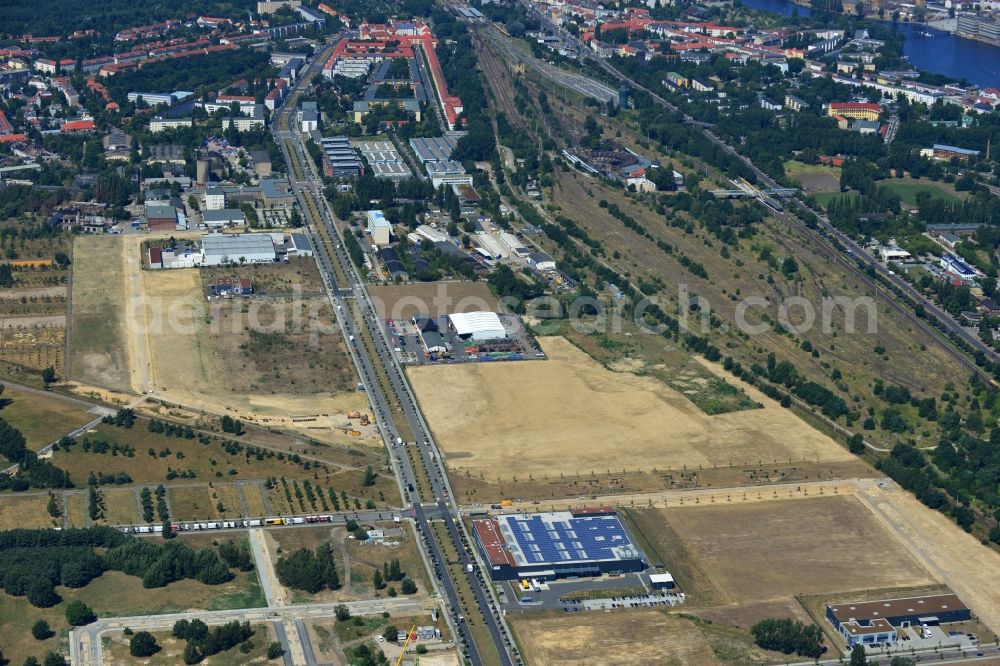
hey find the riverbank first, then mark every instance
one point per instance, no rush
(943, 52)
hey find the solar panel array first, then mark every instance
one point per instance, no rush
(559, 538)
(433, 149)
(384, 160)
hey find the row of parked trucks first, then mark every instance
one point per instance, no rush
(231, 524)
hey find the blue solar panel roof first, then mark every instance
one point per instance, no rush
(556, 538)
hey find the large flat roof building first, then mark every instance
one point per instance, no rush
(221, 249)
(477, 325)
(870, 622)
(559, 544)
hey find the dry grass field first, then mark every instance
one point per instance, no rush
(255, 501)
(154, 331)
(228, 496)
(431, 299)
(190, 503)
(569, 415)
(97, 338)
(180, 454)
(76, 509)
(41, 419)
(120, 507)
(809, 546)
(895, 352)
(27, 511)
(356, 562)
(632, 637)
(115, 594)
(116, 650)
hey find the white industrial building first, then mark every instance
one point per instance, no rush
(478, 325)
(447, 173)
(541, 261)
(379, 228)
(492, 245)
(427, 232)
(215, 198)
(222, 249)
(515, 246)
(225, 217)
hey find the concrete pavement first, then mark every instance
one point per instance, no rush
(273, 590)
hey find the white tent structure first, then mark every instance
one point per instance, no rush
(478, 325)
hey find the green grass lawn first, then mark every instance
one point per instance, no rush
(909, 189)
(824, 198)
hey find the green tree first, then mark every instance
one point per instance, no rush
(408, 586)
(274, 650)
(342, 613)
(41, 631)
(143, 644)
(42, 594)
(377, 581)
(53, 507)
(370, 476)
(49, 375)
(421, 649)
(191, 654)
(79, 613)
(858, 656)
(54, 659)
(390, 633)
(6, 276)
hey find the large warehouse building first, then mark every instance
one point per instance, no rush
(478, 325)
(221, 249)
(561, 544)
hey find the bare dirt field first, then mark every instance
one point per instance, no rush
(168, 342)
(569, 415)
(97, 343)
(432, 299)
(807, 546)
(632, 637)
(814, 178)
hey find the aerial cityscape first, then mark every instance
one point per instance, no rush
(499, 332)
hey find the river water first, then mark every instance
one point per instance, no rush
(944, 53)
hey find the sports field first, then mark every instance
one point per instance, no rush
(570, 415)
(909, 188)
(814, 178)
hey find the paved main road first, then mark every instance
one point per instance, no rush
(345, 297)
